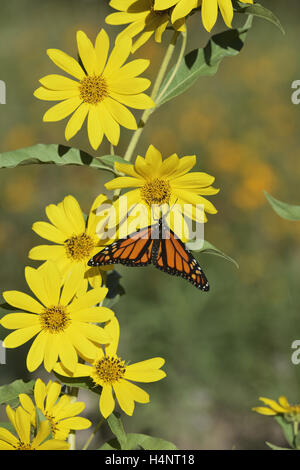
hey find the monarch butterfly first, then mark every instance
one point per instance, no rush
(156, 244)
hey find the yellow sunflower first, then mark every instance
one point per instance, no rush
(290, 412)
(75, 240)
(143, 20)
(21, 421)
(102, 90)
(115, 376)
(178, 9)
(166, 184)
(62, 322)
(59, 410)
(209, 11)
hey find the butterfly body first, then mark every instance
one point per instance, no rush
(156, 245)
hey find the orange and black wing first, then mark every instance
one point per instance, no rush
(134, 250)
(175, 259)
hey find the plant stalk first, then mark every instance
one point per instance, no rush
(147, 113)
(92, 435)
(73, 394)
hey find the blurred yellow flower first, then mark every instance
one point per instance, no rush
(163, 185)
(62, 322)
(18, 136)
(75, 240)
(290, 412)
(256, 177)
(109, 371)
(58, 409)
(143, 20)
(25, 183)
(20, 420)
(103, 86)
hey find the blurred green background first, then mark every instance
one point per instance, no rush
(225, 348)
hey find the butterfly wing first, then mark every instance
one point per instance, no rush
(175, 259)
(134, 250)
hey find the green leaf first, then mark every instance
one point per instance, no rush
(115, 290)
(259, 11)
(112, 444)
(149, 442)
(85, 383)
(138, 441)
(205, 62)
(287, 429)
(109, 303)
(8, 426)
(51, 154)
(39, 416)
(274, 447)
(110, 160)
(206, 247)
(286, 211)
(10, 393)
(116, 426)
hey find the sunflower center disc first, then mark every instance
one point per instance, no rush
(79, 247)
(93, 89)
(22, 446)
(108, 370)
(156, 191)
(54, 319)
(52, 423)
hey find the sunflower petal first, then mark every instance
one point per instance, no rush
(264, 411)
(71, 284)
(86, 52)
(49, 232)
(272, 404)
(52, 395)
(95, 128)
(66, 63)
(209, 13)
(37, 351)
(89, 299)
(101, 49)
(124, 397)
(59, 83)
(118, 56)
(107, 402)
(76, 121)
(62, 110)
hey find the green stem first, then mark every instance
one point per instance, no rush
(73, 394)
(147, 113)
(295, 428)
(179, 60)
(92, 435)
